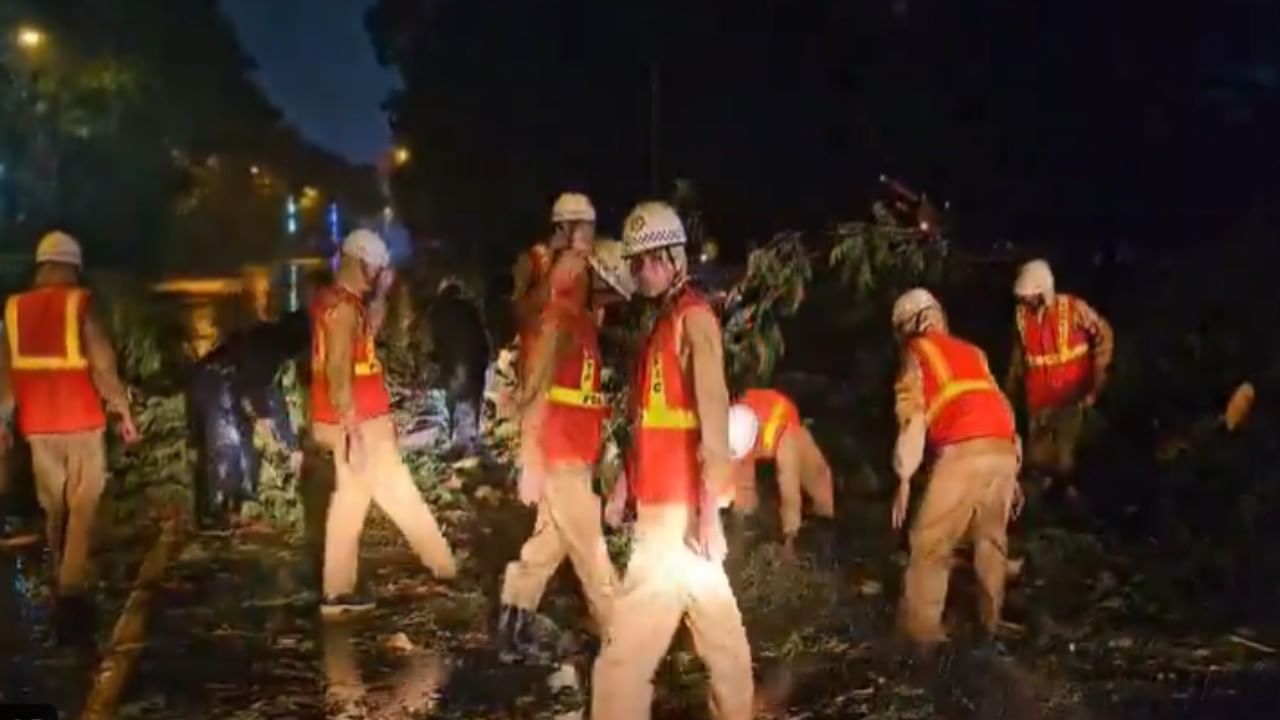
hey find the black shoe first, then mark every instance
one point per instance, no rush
(516, 640)
(74, 621)
(346, 603)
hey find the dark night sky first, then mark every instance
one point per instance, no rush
(319, 68)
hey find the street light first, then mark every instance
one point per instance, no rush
(401, 155)
(30, 38)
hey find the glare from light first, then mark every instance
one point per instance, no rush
(401, 155)
(30, 38)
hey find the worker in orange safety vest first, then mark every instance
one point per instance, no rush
(351, 417)
(678, 471)
(573, 219)
(564, 433)
(1062, 352)
(765, 425)
(947, 401)
(58, 370)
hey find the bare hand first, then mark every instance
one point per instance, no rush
(900, 505)
(711, 543)
(530, 485)
(295, 462)
(356, 456)
(385, 280)
(128, 430)
(616, 508)
(1019, 500)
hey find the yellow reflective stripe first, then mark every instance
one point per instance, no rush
(584, 395)
(72, 359)
(948, 389)
(656, 414)
(774, 425)
(370, 366)
(1064, 353)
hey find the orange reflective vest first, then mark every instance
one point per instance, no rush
(776, 413)
(1058, 369)
(664, 463)
(962, 401)
(367, 387)
(52, 386)
(571, 427)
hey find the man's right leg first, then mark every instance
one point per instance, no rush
(49, 464)
(646, 613)
(526, 578)
(577, 513)
(720, 639)
(941, 521)
(348, 506)
(995, 476)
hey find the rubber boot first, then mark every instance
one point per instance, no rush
(516, 641)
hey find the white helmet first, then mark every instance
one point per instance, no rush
(573, 207)
(651, 225)
(59, 247)
(367, 246)
(607, 261)
(743, 428)
(910, 304)
(1035, 278)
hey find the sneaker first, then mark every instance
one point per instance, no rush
(346, 603)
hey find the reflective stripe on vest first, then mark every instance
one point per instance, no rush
(360, 368)
(948, 389)
(1064, 353)
(584, 395)
(656, 414)
(774, 425)
(72, 358)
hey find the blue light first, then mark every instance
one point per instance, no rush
(291, 216)
(333, 221)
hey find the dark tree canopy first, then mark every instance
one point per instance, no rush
(136, 126)
(1080, 123)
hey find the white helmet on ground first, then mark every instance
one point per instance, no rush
(366, 245)
(573, 207)
(650, 226)
(909, 306)
(744, 426)
(1034, 279)
(607, 261)
(59, 247)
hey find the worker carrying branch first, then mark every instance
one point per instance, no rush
(765, 425)
(1062, 353)
(947, 401)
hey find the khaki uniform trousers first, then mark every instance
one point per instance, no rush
(802, 470)
(384, 479)
(667, 582)
(1053, 436)
(969, 495)
(568, 525)
(70, 472)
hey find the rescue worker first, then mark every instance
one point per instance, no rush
(461, 346)
(573, 220)
(351, 417)
(678, 474)
(230, 387)
(58, 371)
(1061, 352)
(947, 400)
(765, 425)
(567, 410)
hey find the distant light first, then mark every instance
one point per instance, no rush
(401, 155)
(30, 38)
(924, 226)
(254, 169)
(291, 216)
(333, 221)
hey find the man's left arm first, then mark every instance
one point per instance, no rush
(1101, 341)
(103, 367)
(706, 353)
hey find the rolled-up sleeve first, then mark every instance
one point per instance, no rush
(1101, 337)
(909, 407)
